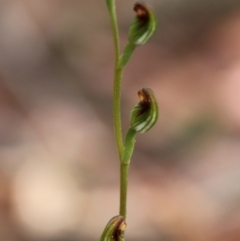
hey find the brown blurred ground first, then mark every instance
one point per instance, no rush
(58, 161)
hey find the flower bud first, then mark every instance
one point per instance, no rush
(145, 114)
(144, 24)
(114, 229)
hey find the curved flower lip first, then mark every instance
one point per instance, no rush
(145, 95)
(145, 114)
(141, 11)
(144, 98)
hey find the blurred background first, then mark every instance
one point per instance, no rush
(59, 177)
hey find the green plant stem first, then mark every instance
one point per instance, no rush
(117, 109)
(124, 169)
(124, 151)
(117, 79)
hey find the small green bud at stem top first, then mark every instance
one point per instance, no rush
(144, 24)
(145, 114)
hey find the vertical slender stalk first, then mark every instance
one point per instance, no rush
(117, 109)
(124, 168)
(142, 118)
(117, 79)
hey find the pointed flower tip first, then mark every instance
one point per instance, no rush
(144, 24)
(145, 114)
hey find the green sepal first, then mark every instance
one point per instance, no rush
(145, 114)
(144, 24)
(114, 229)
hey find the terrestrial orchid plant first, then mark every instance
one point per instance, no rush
(143, 116)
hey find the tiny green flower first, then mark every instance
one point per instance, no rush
(114, 229)
(144, 24)
(145, 114)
